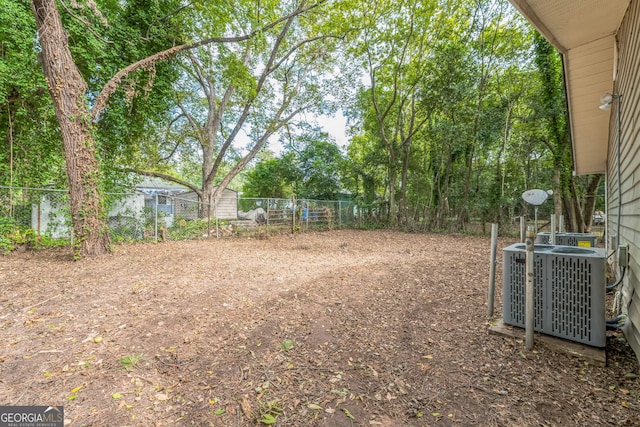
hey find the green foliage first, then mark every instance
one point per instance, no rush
(320, 164)
(269, 178)
(312, 171)
(269, 412)
(12, 236)
(287, 344)
(461, 109)
(184, 229)
(130, 361)
(7, 230)
(30, 149)
(468, 79)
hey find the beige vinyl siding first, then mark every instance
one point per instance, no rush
(628, 85)
(187, 206)
(227, 206)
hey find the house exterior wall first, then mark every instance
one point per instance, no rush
(51, 217)
(625, 208)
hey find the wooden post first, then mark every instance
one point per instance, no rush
(492, 269)
(529, 289)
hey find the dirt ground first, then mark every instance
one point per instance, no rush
(341, 328)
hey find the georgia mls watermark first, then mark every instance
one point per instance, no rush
(31, 416)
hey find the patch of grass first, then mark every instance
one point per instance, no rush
(128, 362)
(287, 345)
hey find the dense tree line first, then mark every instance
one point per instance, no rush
(454, 107)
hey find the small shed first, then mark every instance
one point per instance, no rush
(187, 206)
(160, 197)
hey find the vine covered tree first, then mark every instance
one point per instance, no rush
(76, 116)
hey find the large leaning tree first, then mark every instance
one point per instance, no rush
(234, 98)
(77, 117)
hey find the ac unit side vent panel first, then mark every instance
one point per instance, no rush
(514, 287)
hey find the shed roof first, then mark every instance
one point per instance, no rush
(584, 32)
(153, 185)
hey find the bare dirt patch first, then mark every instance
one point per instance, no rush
(343, 328)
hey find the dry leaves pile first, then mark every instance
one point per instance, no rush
(343, 328)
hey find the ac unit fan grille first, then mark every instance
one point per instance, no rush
(571, 298)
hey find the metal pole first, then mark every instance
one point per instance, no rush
(492, 269)
(215, 212)
(267, 213)
(523, 228)
(553, 229)
(561, 224)
(156, 218)
(209, 217)
(529, 289)
(293, 214)
(536, 220)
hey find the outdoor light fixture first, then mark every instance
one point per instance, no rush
(606, 100)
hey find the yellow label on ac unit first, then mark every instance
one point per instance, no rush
(584, 243)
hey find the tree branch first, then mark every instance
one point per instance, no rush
(163, 176)
(261, 81)
(86, 24)
(113, 84)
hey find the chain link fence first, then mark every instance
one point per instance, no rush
(41, 216)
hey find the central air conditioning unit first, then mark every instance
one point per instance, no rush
(569, 291)
(585, 240)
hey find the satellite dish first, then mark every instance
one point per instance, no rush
(535, 197)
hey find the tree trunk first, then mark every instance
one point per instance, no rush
(404, 182)
(68, 90)
(574, 225)
(393, 211)
(590, 203)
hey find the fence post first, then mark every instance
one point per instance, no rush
(39, 213)
(208, 216)
(492, 268)
(155, 211)
(215, 212)
(293, 214)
